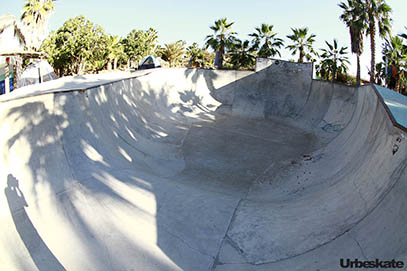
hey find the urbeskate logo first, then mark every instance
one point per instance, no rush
(356, 263)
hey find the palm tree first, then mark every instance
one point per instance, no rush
(115, 51)
(355, 18)
(380, 73)
(174, 53)
(199, 57)
(241, 54)
(35, 17)
(302, 43)
(377, 12)
(334, 61)
(396, 54)
(265, 39)
(221, 39)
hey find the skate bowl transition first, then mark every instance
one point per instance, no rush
(183, 169)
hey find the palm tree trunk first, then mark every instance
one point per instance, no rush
(301, 59)
(372, 30)
(115, 64)
(358, 70)
(397, 87)
(221, 53)
(15, 75)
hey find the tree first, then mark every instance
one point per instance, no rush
(381, 75)
(302, 44)
(115, 51)
(174, 53)
(221, 39)
(377, 12)
(35, 17)
(198, 57)
(139, 44)
(241, 54)
(266, 42)
(77, 47)
(396, 54)
(403, 80)
(355, 18)
(333, 61)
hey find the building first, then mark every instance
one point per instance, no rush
(11, 40)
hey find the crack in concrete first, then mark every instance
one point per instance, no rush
(226, 237)
(361, 195)
(305, 252)
(232, 219)
(360, 247)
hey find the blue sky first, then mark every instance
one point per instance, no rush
(190, 20)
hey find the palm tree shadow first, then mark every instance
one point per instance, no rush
(41, 255)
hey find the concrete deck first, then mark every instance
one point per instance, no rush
(181, 169)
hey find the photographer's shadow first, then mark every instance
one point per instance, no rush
(39, 252)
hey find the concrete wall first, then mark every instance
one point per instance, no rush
(272, 92)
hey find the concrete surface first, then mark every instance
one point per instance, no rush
(181, 169)
(69, 83)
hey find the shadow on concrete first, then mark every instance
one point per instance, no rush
(41, 255)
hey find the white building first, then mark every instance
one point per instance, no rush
(11, 40)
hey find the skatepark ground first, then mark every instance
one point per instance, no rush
(185, 169)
